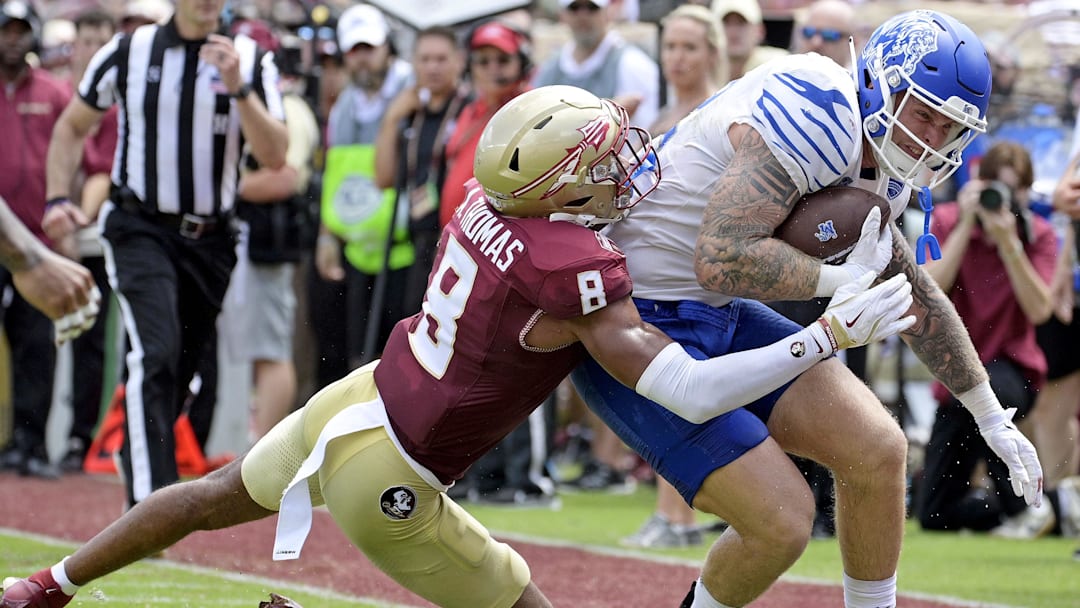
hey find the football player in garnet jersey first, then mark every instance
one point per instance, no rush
(701, 251)
(522, 288)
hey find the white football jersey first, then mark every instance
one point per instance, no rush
(805, 108)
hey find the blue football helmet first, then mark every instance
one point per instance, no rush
(936, 59)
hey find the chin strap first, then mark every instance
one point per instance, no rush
(589, 221)
(927, 240)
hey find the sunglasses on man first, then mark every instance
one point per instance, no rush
(826, 34)
(582, 6)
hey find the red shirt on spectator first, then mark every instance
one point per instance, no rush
(460, 151)
(984, 297)
(29, 108)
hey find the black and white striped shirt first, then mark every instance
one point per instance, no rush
(180, 143)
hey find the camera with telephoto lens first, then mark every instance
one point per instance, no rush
(995, 196)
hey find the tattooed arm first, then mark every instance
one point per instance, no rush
(938, 337)
(50, 282)
(19, 249)
(941, 341)
(735, 252)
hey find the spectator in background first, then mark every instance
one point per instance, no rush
(144, 12)
(1005, 107)
(826, 27)
(93, 29)
(598, 60)
(499, 67)
(745, 33)
(54, 49)
(412, 143)
(355, 224)
(693, 60)
(31, 104)
(166, 228)
(990, 241)
(272, 204)
(1057, 430)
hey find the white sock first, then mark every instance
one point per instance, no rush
(704, 599)
(869, 594)
(59, 575)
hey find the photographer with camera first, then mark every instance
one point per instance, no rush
(996, 266)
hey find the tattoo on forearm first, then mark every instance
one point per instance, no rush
(18, 247)
(938, 337)
(735, 255)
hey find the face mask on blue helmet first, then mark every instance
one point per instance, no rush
(930, 57)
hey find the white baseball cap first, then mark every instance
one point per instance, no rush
(361, 24)
(153, 11)
(747, 9)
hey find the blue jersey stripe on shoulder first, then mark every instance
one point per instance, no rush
(797, 110)
(792, 127)
(825, 99)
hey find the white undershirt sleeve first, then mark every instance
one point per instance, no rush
(698, 390)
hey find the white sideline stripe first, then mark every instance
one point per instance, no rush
(693, 563)
(277, 585)
(546, 542)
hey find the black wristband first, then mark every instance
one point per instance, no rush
(242, 92)
(56, 200)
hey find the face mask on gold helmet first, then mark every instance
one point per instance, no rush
(564, 153)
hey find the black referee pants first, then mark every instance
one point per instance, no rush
(170, 289)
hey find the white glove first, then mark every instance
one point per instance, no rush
(1025, 472)
(872, 253)
(72, 325)
(857, 316)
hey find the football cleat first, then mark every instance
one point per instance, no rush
(38, 591)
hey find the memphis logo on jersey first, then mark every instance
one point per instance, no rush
(826, 231)
(914, 38)
(594, 133)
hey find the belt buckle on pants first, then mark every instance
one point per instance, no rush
(194, 226)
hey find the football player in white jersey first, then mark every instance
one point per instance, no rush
(701, 253)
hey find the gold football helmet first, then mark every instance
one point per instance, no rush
(564, 153)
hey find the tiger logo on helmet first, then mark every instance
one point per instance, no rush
(561, 152)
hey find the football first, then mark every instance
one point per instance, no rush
(826, 224)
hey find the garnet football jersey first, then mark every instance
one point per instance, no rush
(458, 376)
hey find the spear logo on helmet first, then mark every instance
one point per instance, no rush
(593, 135)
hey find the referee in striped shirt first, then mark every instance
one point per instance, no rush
(191, 102)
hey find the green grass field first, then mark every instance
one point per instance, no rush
(975, 568)
(972, 567)
(160, 584)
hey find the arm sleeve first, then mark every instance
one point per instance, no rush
(698, 390)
